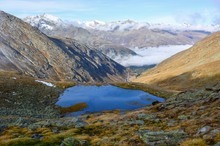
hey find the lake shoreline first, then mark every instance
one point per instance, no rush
(93, 99)
(193, 116)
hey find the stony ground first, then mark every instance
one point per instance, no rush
(186, 118)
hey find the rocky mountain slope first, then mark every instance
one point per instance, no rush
(144, 37)
(25, 49)
(126, 33)
(53, 26)
(195, 67)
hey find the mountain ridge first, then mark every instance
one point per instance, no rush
(126, 34)
(61, 29)
(27, 50)
(123, 25)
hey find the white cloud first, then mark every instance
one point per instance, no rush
(153, 55)
(204, 17)
(194, 18)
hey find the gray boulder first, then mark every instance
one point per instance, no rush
(162, 138)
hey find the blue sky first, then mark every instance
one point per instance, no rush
(166, 11)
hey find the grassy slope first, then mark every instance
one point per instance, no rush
(144, 87)
(22, 96)
(189, 110)
(192, 68)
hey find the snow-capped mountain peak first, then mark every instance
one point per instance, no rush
(93, 24)
(50, 17)
(48, 22)
(124, 25)
(44, 21)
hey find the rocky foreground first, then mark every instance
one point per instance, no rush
(186, 118)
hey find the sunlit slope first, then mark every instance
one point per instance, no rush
(197, 66)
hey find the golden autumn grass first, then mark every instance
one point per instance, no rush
(112, 128)
(101, 132)
(194, 142)
(144, 87)
(64, 84)
(195, 67)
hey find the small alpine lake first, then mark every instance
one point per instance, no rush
(89, 99)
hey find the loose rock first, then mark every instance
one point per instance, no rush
(162, 138)
(204, 130)
(70, 141)
(37, 136)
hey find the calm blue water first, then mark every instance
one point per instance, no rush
(102, 98)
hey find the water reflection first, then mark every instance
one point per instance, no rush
(102, 98)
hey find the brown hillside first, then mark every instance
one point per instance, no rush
(195, 67)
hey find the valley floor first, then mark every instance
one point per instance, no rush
(186, 118)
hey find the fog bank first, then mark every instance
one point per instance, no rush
(152, 55)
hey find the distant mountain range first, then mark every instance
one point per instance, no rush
(128, 25)
(53, 26)
(118, 38)
(26, 50)
(48, 21)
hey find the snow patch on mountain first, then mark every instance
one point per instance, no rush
(46, 83)
(44, 21)
(47, 21)
(129, 25)
(114, 26)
